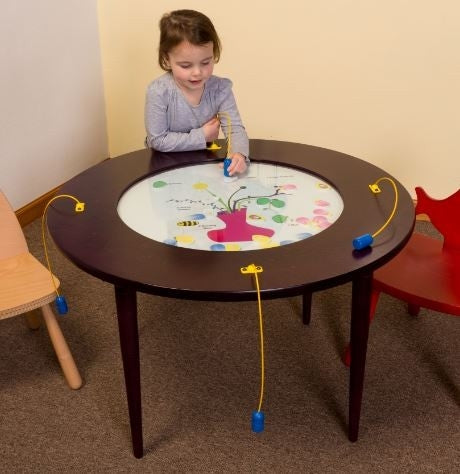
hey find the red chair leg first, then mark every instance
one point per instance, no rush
(374, 300)
(346, 357)
(413, 309)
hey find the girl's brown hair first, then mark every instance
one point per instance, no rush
(185, 25)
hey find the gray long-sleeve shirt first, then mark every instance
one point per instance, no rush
(172, 124)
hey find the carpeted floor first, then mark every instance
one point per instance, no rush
(200, 383)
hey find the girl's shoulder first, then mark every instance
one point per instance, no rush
(163, 84)
(219, 85)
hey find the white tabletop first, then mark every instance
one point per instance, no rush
(194, 207)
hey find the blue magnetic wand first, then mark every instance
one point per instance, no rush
(258, 416)
(366, 240)
(61, 303)
(228, 160)
(227, 163)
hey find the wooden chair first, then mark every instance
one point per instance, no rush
(25, 284)
(426, 273)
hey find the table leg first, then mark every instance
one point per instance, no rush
(306, 307)
(360, 305)
(129, 343)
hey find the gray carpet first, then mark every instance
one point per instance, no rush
(200, 383)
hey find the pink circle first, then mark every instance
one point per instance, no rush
(303, 220)
(321, 222)
(320, 212)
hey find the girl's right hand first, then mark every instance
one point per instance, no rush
(211, 129)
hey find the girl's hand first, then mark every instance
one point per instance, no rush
(238, 164)
(211, 129)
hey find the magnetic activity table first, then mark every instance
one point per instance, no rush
(169, 225)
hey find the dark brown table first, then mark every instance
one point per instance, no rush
(99, 243)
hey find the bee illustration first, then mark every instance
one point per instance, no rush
(187, 223)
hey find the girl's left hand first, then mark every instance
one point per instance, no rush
(238, 164)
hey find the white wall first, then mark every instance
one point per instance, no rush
(52, 116)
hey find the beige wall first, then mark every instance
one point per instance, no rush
(378, 80)
(52, 116)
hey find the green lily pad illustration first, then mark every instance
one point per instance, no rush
(279, 219)
(263, 201)
(277, 203)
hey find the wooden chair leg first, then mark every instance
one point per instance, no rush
(33, 319)
(62, 349)
(413, 309)
(346, 358)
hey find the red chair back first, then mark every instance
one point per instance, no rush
(444, 214)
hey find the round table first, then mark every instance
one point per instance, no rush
(101, 244)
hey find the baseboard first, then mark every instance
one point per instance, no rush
(34, 209)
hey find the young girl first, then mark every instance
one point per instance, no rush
(182, 105)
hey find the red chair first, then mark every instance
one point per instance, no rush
(426, 273)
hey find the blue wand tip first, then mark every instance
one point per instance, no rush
(61, 305)
(258, 421)
(227, 163)
(362, 242)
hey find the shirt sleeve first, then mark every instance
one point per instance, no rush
(239, 142)
(158, 100)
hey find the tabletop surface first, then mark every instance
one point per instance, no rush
(100, 243)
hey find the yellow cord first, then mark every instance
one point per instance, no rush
(214, 145)
(229, 132)
(79, 207)
(262, 358)
(255, 270)
(385, 178)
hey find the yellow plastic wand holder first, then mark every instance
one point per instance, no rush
(213, 146)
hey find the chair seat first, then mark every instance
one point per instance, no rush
(25, 284)
(437, 282)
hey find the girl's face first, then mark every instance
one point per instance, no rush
(191, 65)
